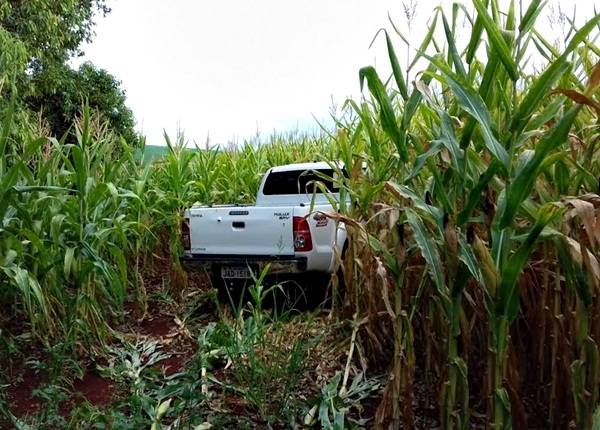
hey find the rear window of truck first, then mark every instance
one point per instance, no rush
(299, 182)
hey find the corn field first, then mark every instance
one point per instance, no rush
(473, 262)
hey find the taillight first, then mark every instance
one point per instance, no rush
(302, 237)
(185, 234)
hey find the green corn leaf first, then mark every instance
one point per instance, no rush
(112, 189)
(508, 298)
(452, 51)
(42, 188)
(475, 39)
(543, 83)
(426, 41)
(510, 19)
(473, 104)
(29, 288)
(448, 138)
(386, 111)
(411, 106)
(68, 262)
(80, 167)
(405, 192)
(366, 121)
(420, 161)
(485, 90)
(531, 14)
(9, 258)
(428, 248)
(468, 258)
(391, 261)
(8, 181)
(496, 39)
(5, 132)
(520, 188)
(56, 226)
(544, 45)
(396, 69)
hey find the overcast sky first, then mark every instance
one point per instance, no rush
(229, 68)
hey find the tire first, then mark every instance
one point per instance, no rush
(308, 290)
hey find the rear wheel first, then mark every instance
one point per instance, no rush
(307, 291)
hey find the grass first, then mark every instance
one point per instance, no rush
(471, 273)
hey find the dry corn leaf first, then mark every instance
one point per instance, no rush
(382, 274)
(591, 260)
(586, 212)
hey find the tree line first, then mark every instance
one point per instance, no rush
(38, 40)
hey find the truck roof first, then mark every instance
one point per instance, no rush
(316, 165)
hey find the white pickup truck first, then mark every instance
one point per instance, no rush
(286, 228)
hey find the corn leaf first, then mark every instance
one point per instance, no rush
(497, 42)
(428, 248)
(396, 69)
(508, 299)
(543, 83)
(473, 104)
(521, 187)
(386, 111)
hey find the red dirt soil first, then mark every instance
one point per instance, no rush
(158, 326)
(172, 365)
(20, 393)
(93, 388)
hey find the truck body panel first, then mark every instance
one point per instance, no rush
(291, 227)
(250, 230)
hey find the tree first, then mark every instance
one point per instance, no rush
(52, 31)
(61, 103)
(37, 39)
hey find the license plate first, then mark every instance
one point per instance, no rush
(235, 272)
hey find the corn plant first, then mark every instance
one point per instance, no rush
(67, 225)
(468, 128)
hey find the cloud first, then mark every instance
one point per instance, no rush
(227, 68)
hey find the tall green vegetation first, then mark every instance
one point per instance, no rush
(60, 96)
(68, 223)
(37, 40)
(474, 221)
(486, 157)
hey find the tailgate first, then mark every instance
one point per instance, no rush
(246, 230)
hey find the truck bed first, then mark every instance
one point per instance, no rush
(242, 230)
